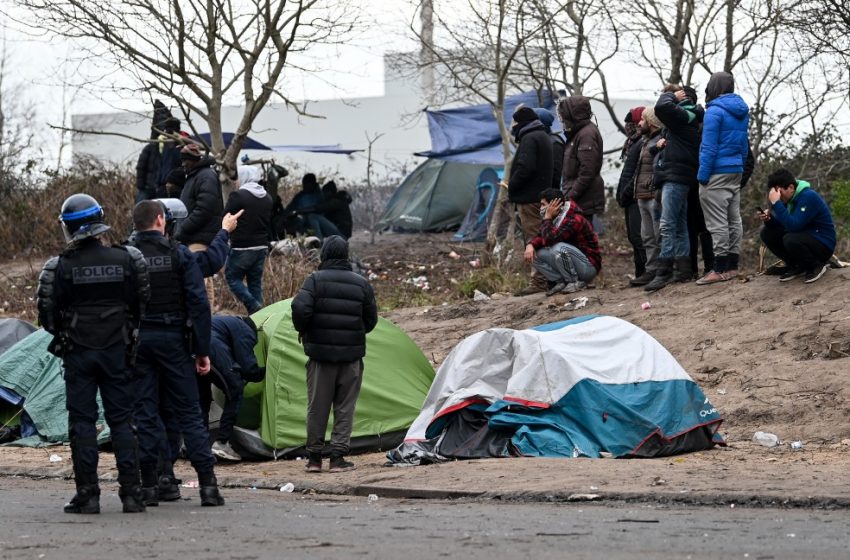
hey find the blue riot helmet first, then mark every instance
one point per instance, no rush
(174, 210)
(81, 217)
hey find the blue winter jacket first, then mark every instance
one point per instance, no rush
(724, 137)
(805, 212)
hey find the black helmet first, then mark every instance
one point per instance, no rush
(81, 217)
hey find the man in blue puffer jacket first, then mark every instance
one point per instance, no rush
(722, 156)
(798, 228)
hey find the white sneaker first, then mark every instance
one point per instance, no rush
(222, 450)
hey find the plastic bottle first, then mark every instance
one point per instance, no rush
(766, 439)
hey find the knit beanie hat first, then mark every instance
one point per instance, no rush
(524, 115)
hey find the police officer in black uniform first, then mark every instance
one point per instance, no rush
(91, 298)
(176, 318)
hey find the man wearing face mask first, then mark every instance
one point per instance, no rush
(582, 182)
(530, 175)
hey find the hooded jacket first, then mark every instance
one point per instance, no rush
(531, 169)
(254, 227)
(678, 162)
(724, 133)
(805, 212)
(335, 308)
(336, 207)
(202, 196)
(582, 181)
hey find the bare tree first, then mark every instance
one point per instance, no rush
(476, 57)
(198, 54)
(16, 132)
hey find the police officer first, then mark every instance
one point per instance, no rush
(90, 298)
(165, 363)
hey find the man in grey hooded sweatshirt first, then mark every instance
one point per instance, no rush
(249, 243)
(722, 156)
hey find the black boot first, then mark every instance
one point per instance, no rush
(683, 271)
(149, 492)
(210, 495)
(130, 492)
(87, 498)
(707, 251)
(663, 276)
(643, 279)
(169, 488)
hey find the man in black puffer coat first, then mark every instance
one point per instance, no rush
(531, 169)
(332, 313)
(202, 196)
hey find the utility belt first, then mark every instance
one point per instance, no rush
(170, 325)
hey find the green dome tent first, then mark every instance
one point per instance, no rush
(272, 420)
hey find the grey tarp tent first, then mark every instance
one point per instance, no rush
(434, 197)
(35, 375)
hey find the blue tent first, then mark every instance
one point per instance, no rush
(471, 134)
(587, 387)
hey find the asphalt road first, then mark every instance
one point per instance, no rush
(270, 524)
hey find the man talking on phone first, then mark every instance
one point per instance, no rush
(798, 228)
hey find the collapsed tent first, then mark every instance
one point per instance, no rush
(32, 389)
(477, 220)
(434, 197)
(471, 134)
(272, 420)
(580, 388)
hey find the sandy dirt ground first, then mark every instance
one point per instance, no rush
(771, 356)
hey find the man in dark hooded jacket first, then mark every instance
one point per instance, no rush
(332, 312)
(722, 158)
(531, 174)
(531, 170)
(582, 181)
(202, 196)
(675, 174)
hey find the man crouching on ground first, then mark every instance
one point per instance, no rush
(566, 250)
(798, 228)
(332, 313)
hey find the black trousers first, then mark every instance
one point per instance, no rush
(799, 249)
(632, 213)
(698, 234)
(86, 371)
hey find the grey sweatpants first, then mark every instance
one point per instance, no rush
(721, 204)
(650, 231)
(337, 385)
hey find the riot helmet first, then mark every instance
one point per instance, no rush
(81, 218)
(174, 210)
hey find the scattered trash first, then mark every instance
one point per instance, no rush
(251, 488)
(420, 282)
(373, 276)
(373, 498)
(658, 481)
(194, 484)
(475, 263)
(645, 305)
(454, 256)
(732, 506)
(605, 455)
(288, 487)
(721, 391)
(594, 488)
(791, 535)
(54, 458)
(766, 439)
(576, 303)
(796, 445)
(583, 497)
(480, 296)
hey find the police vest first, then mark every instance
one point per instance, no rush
(99, 295)
(166, 280)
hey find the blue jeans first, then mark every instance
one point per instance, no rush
(674, 221)
(246, 265)
(563, 262)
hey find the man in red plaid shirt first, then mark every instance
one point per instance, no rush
(566, 250)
